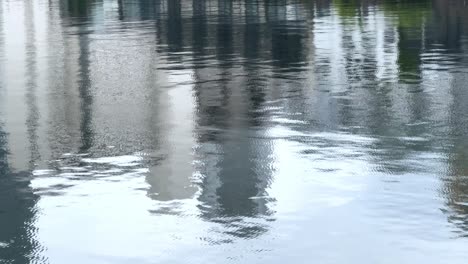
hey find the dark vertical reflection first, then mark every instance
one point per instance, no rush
(448, 23)
(174, 25)
(410, 28)
(255, 79)
(252, 33)
(148, 9)
(199, 31)
(81, 10)
(84, 87)
(409, 56)
(224, 33)
(17, 213)
(120, 8)
(235, 172)
(287, 36)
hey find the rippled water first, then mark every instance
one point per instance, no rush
(233, 131)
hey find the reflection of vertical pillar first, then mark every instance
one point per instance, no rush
(287, 46)
(71, 110)
(255, 79)
(233, 168)
(81, 8)
(236, 173)
(410, 47)
(174, 24)
(410, 44)
(63, 98)
(205, 97)
(199, 33)
(120, 9)
(84, 86)
(252, 29)
(448, 23)
(224, 29)
(31, 86)
(241, 178)
(276, 11)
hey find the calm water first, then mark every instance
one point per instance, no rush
(247, 131)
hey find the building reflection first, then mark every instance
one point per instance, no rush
(195, 97)
(234, 162)
(70, 100)
(18, 238)
(163, 111)
(230, 88)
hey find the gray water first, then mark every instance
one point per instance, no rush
(247, 131)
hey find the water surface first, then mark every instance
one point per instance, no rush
(222, 131)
